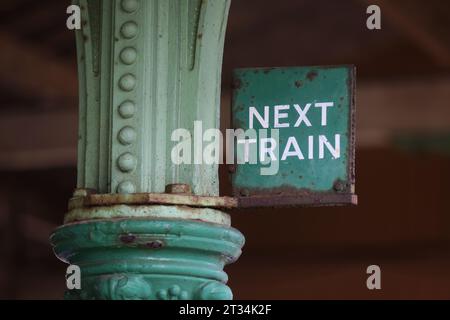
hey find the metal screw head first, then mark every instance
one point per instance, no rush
(339, 186)
(232, 168)
(245, 192)
(83, 192)
(177, 188)
(236, 84)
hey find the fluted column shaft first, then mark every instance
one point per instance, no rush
(147, 68)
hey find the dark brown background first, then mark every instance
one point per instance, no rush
(403, 146)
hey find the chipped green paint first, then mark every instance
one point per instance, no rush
(149, 259)
(307, 105)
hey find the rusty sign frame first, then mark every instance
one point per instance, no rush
(342, 192)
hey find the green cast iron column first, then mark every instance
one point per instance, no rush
(139, 226)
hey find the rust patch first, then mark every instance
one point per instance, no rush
(156, 244)
(178, 188)
(127, 238)
(267, 70)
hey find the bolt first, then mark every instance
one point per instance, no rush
(236, 84)
(245, 192)
(178, 188)
(339, 186)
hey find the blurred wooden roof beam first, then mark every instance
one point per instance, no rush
(410, 25)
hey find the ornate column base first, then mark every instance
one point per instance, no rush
(149, 258)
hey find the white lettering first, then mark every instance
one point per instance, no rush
(302, 115)
(279, 115)
(324, 106)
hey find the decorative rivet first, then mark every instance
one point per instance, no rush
(130, 5)
(127, 162)
(128, 55)
(129, 29)
(127, 82)
(127, 135)
(126, 109)
(126, 187)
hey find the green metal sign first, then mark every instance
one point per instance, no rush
(296, 146)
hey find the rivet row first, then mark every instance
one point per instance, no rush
(127, 162)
